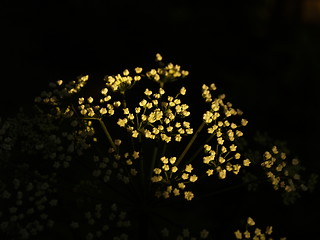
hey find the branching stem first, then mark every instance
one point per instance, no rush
(190, 143)
(105, 130)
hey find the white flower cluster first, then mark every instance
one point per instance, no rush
(6, 139)
(62, 91)
(42, 135)
(93, 224)
(124, 166)
(255, 233)
(121, 83)
(157, 118)
(166, 73)
(173, 182)
(106, 107)
(223, 133)
(283, 174)
(26, 204)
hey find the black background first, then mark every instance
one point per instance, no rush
(264, 54)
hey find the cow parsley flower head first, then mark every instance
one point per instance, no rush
(105, 158)
(224, 124)
(254, 233)
(122, 82)
(166, 73)
(285, 174)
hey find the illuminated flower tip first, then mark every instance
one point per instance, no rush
(117, 142)
(158, 57)
(246, 162)
(138, 70)
(183, 91)
(135, 154)
(189, 168)
(255, 232)
(147, 92)
(167, 73)
(244, 122)
(188, 195)
(238, 234)
(123, 82)
(283, 174)
(250, 221)
(204, 234)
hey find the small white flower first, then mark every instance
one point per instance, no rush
(135, 154)
(74, 225)
(90, 99)
(189, 168)
(246, 162)
(250, 221)
(147, 92)
(193, 178)
(122, 122)
(103, 111)
(158, 57)
(183, 91)
(117, 142)
(104, 91)
(188, 195)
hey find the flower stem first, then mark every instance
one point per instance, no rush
(198, 151)
(153, 161)
(190, 143)
(104, 128)
(164, 149)
(124, 102)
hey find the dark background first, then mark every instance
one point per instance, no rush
(264, 54)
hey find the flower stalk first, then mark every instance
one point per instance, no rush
(105, 130)
(195, 135)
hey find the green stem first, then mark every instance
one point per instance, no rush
(105, 130)
(190, 143)
(164, 149)
(124, 102)
(153, 160)
(198, 151)
(152, 165)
